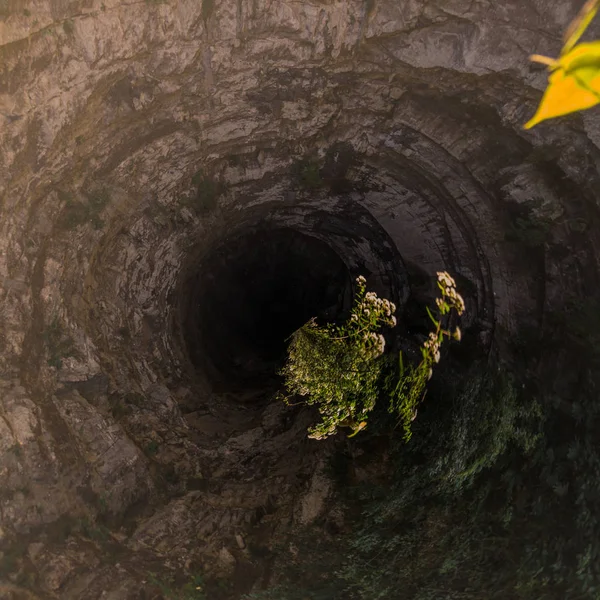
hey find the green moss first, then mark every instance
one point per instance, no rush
(118, 408)
(92, 530)
(235, 160)
(26, 12)
(58, 344)
(97, 201)
(135, 399)
(527, 228)
(197, 177)
(206, 194)
(306, 174)
(81, 212)
(443, 515)
(68, 27)
(17, 450)
(102, 504)
(532, 233)
(194, 589)
(152, 448)
(579, 324)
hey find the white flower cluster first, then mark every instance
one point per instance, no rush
(446, 279)
(433, 344)
(370, 313)
(448, 287)
(337, 367)
(373, 304)
(376, 341)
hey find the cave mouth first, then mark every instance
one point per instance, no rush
(250, 292)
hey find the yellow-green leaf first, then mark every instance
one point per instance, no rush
(573, 85)
(580, 24)
(582, 56)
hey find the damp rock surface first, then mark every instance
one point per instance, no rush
(160, 163)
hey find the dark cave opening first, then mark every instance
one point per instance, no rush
(250, 293)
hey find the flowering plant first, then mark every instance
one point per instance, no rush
(336, 366)
(406, 386)
(340, 368)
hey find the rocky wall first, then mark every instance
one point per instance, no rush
(141, 140)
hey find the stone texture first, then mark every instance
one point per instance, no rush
(107, 111)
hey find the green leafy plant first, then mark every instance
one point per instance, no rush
(574, 82)
(59, 344)
(192, 590)
(341, 368)
(407, 387)
(335, 366)
(307, 173)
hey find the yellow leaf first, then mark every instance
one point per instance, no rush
(563, 96)
(573, 85)
(580, 24)
(582, 56)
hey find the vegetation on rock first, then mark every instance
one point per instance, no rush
(58, 343)
(497, 496)
(574, 82)
(342, 369)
